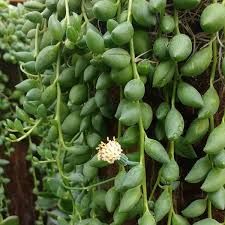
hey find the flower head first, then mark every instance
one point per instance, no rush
(110, 151)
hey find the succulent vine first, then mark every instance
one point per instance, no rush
(106, 88)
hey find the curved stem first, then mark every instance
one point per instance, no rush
(155, 186)
(28, 132)
(84, 12)
(29, 75)
(90, 186)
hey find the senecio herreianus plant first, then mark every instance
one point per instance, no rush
(86, 54)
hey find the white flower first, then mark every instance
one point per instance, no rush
(110, 151)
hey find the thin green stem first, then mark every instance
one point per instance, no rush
(57, 118)
(47, 161)
(141, 127)
(28, 132)
(84, 12)
(129, 16)
(90, 186)
(142, 162)
(215, 60)
(36, 41)
(176, 19)
(119, 10)
(212, 78)
(67, 12)
(171, 150)
(161, 15)
(132, 53)
(177, 31)
(171, 143)
(155, 186)
(29, 75)
(223, 119)
(61, 146)
(175, 86)
(169, 221)
(119, 130)
(142, 140)
(209, 209)
(212, 125)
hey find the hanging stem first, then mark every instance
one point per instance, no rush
(169, 221)
(134, 67)
(213, 71)
(119, 131)
(141, 127)
(212, 78)
(171, 143)
(161, 15)
(171, 150)
(36, 41)
(67, 12)
(61, 146)
(119, 10)
(177, 31)
(176, 19)
(142, 162)
(129, 14)
(209, 209)
(84, 12)
(171, 154)
(155, 186)
(174, 86)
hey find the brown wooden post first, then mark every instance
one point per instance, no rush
(19, 190)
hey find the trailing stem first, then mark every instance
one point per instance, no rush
(61, 145)
(141, 128)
